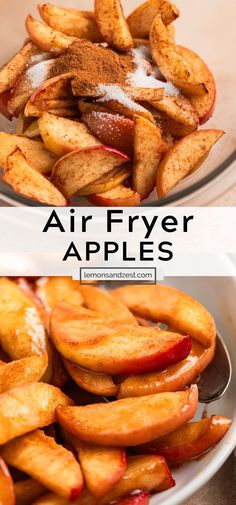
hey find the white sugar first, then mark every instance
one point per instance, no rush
(113, 92)
(38, 73)
(140, 77)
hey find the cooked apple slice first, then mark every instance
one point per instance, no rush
(136, 499)
(22, 371)
(120, 196)
(111, 22)
(170, 306)
(95, 383)
(62, 136)
(7, 496)
(28, 182)
(177, 115)
(83, 166)
(35, 452)
(108, 181)
(140, 20)
(205, 104)
(25, 286)
(34, 150)
(184, 158)
(21, 330)
(174, 378)
(130, 421)
(72, 22)
(170, 61)
(27, 491)
(190, 441)
(111, 347)
(33, 406)
(113, 130)
(4, 103)
(55, 88)
(148, 151)
(102, 467)
(10, 72)
(61, 108)
(46, 38)
(53, 290)
(102, 301)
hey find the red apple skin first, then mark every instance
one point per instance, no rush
(4, 99)
(113, 130)
(75, 493)
(138, 499)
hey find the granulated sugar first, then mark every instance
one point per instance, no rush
(112, 92)
(140, 77)
(38, 73)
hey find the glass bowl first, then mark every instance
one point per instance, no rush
(206, 27)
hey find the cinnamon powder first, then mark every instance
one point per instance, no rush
(92, 65)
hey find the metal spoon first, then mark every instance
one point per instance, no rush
(215, 380)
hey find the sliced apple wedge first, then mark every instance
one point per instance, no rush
(111, 347)
(62, 136)
(4, 103)
(83, 166)
(140, 20)
(29, 183)
(95, 383)
(103, 302)
(10, 72)
(113, 130)
(46, 38)
(205, 104)
(120, 196)
(170, 306)
(137, 499)
(72, 22)
(174, 378)
(27, 491)
(56, 88)
(148, 151)
(33, 406)
(185, 157)
(130, 421)
(21, 330)
(34, 150)
(53, 290)
(112, 24)
(170, 61)
(108, 181)
(22, 371)
(176, 115)
(190, 441)
(34, 452)
(7, 495)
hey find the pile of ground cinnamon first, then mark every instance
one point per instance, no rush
(93, 65)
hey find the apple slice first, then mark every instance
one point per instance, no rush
(27, 491)
(130, 421)
(62, 136)
(141, 19)
(22, 371)
(172, 307)
(7, 495)
(26, 286)
(177, 115)
(103, 302)
(136, 499)
(72, 22)
(95, 383)
(4, 102)
(174, 378)
(205, 104)
(26, 181)
(184, 158)
(111, 22)
(33, 406)
(55, 88)
(53, 290)
(113, 130)
(34, 150)
(10, 72)
(111, 347)
(46, 38)
(34, 452)
(120, 196)
(83, 166)
(170, 61)
(190, 441)
(60, 108)
(148, 151)
(108, 181)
